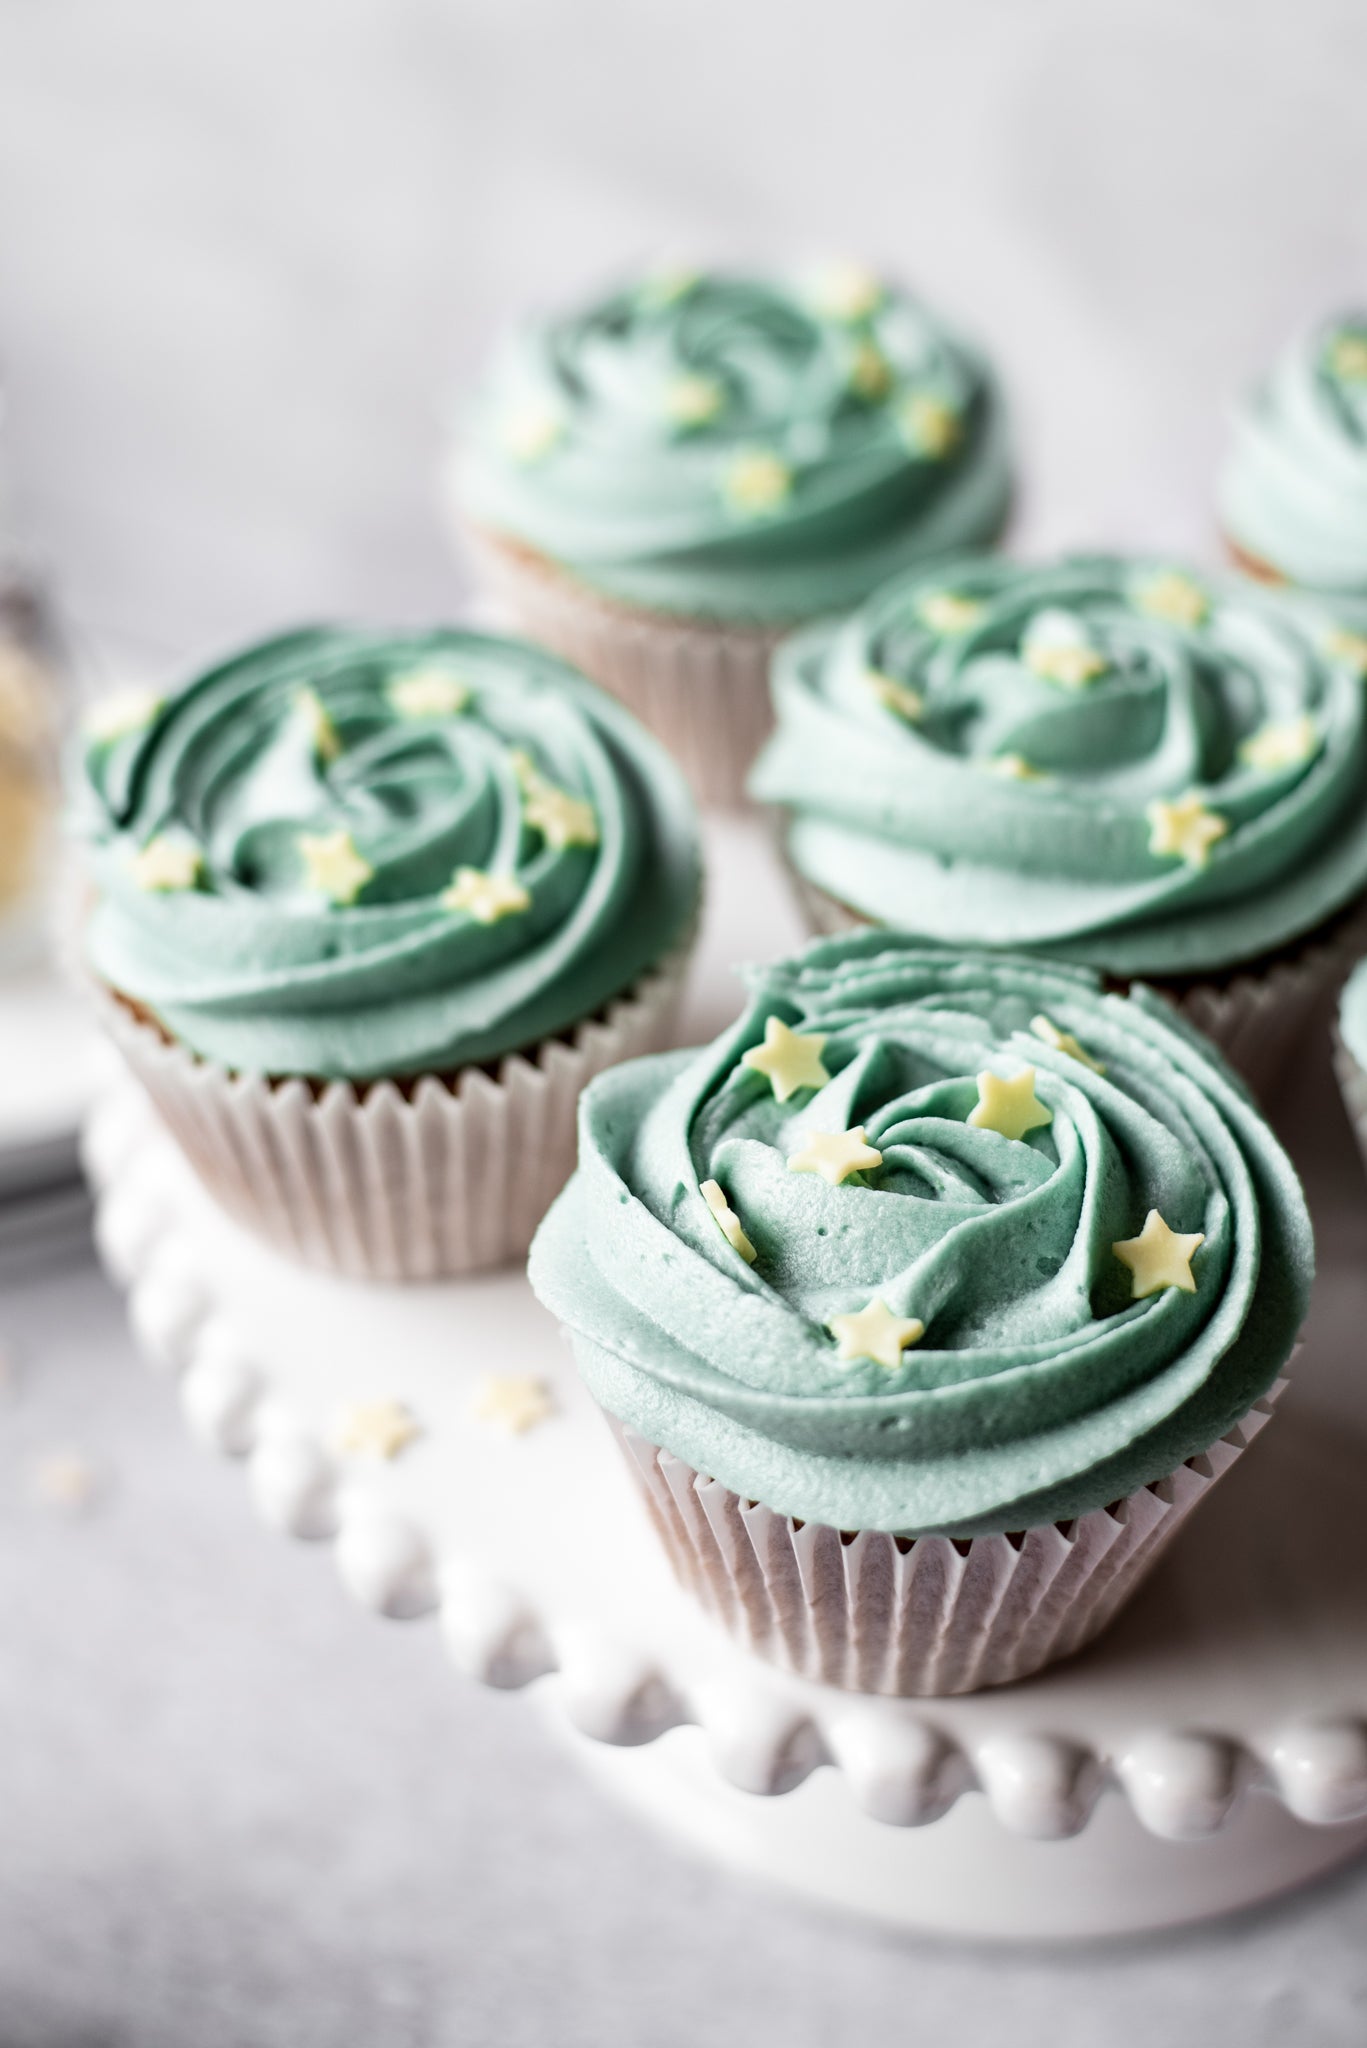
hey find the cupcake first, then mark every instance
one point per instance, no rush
(927, 1302)
(1350, 1052)
(368, 911)
(1293, 496)
(28, 744)
(1153, 773)
(660, 481)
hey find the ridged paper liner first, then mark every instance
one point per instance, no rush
(422, 1182)
(701, 687)
(1352, 1082)
(922, 1617)
(1256, 1017)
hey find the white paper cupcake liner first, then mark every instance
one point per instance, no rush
(923, 1617)
(389, 1183)
(1256, 1019)
(701, 688)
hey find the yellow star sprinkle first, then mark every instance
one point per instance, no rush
(333, 865)
(870, 372)
(375, 1429)
(846, 291)
(876, 1333)
(946, 613)
(514, 1401)
(430, 691)
(692, 401)
(1347, 357)
(1344, 644)
(1010, 1108)
(486, 898)
(1282, 744)
(1013, 768)
(728, 1222)
(1170, 595)
(166, 864)
(530, 433)
(125, 712)
(323, 734)
(757, 481)
(788, 1059)
(1055, 647)
(835, 1154)
(899, 697)
(1185, 828)
(928, 425)
(561, 819)
(1159, 1257)
(1064, 1041)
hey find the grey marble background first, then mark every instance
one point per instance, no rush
(246, 254)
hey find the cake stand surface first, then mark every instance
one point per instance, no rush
(1210, 1751)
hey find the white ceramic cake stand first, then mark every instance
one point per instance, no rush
(1210, 1751)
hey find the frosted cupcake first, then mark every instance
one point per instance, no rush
(369, 911)
(927, 1302)
(1293, 495)
(1155, 773)
(1350, 1052)
(659, 481)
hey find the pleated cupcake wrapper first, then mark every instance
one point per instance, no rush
(452, 1177)
(923, 1617)
(701, 688)
(1352, 1080)
(1256, 1019)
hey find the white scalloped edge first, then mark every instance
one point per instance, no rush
(1181, 1784)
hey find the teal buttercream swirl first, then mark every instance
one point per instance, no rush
(739, 447)
(1040, 1388)
(1294, 490)
(1117, 762)
(353, 854)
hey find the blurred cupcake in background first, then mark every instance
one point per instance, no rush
(927, 1303)
(656, 483)
(1122, 763)
(368, 912)
(28, 739)
(1293, 494)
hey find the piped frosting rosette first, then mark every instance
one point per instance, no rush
(942, 1248)
(1113, 761)
(439, 879)
(738, 447)
(1293, 496)
(930, 1244)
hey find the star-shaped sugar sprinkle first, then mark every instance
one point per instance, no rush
(1013, 768)
(123, 712)
(728, 1222)
(484, 897)
(1055, 646)
(846, 291)
(1011, 1108)
(835, 1155)
(1064, 1041)
(693, 400)
(1346, 357)
(756, 481)
(561, 819)
(333, 865)
(1185, 828)
(532, 431)
(375, 1429)
(896, 696)
(1171, 595)
(870, 372)
(1343, 644)
(929, 426)
(516, 1402)
(947, 613)
(875, 1333)
(324, 737)
(1285, 743)
(788, 1059)
(1159, 1257)
(168, 863)
(429, 691)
